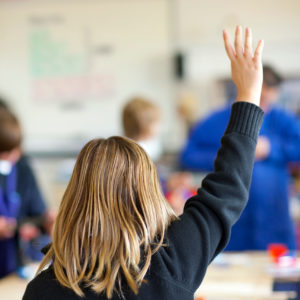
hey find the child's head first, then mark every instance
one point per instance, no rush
(111, 219)
(140, 119)
(271, 86)
(10, 136)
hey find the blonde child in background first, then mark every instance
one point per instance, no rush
(141, 120)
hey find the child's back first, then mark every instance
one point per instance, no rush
(115, 236)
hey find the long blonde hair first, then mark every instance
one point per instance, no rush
(111, 220)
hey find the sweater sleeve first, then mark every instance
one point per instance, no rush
(203, 230)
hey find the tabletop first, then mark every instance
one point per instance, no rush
(232, 276)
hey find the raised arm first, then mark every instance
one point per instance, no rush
(204, 228)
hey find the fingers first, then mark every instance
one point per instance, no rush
(228, 47)
(238, 45)
(238, 41)
(248, 42)
(258, 52)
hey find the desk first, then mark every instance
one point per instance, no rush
(12, 288)
(236, 277)
(239, 276)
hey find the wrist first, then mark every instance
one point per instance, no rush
(249, 97)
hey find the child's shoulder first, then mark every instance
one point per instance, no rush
(24, 161)
(42, 285)
(46, 276)
(24, 167)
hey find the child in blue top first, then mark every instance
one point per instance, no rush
(20, 197)
(266, 218)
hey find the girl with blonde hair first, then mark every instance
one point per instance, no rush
(115, 237)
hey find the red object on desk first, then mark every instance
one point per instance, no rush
(276, 251)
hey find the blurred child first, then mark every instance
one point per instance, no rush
(141, 121)
(22, 208)
(267, 218)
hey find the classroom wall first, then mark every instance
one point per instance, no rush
(199, 36)
(69, 66)
(131, 44)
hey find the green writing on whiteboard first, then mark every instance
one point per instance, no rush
(50, 57)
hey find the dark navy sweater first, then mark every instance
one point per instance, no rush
(202, 231)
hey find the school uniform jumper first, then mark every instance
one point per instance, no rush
(266, 218)
(20, 198)
(203, 230)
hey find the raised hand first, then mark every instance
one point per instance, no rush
(246, 67)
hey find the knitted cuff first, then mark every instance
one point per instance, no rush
(245, 118)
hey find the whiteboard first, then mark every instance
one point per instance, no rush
(68, 67)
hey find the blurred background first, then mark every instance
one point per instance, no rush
(68, 67)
